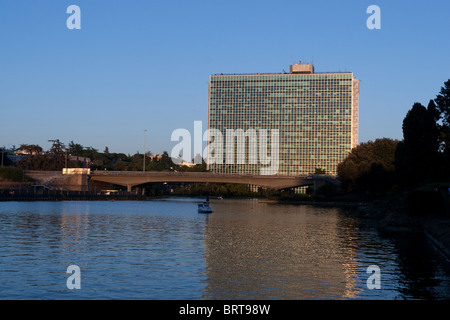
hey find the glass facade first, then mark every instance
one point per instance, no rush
(316, 115)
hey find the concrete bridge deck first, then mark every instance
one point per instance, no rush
(134, 178)
(131, 179)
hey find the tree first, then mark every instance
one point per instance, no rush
(320, 171)
(57, 155)
(54, 159)
(57, 147)
(4, 160)
(75, 149)
(31, 148)
(443, 108)
(34, 159)
(420, 132)
(369, 166)
(417, 154)
(433, 110)
(166, 161)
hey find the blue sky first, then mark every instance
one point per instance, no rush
(138, 64)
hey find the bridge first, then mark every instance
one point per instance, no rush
(130, 179)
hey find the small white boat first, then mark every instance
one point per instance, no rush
(204, 207)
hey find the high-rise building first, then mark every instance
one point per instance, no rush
(315, 115)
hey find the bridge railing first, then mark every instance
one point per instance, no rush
(186, 174)
(190, 174)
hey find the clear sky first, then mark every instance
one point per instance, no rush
(144, 64)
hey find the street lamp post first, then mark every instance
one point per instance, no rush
(145, 133)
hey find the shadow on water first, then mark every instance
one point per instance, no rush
(424, 271)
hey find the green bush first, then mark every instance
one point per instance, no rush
(11, 174)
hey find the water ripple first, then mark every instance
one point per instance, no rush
(244, 250)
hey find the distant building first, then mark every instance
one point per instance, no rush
(28, 152)
(187, 164)
(316, 115)
(155, 157)
(84, 161)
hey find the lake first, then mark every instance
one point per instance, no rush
(164, 249)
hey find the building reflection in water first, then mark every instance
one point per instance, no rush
(74, 227)
(272, 251)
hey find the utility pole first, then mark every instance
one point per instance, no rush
(145, 133)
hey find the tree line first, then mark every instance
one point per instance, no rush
(59, 157)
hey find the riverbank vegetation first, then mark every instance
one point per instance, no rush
(414, 172)
(12, 174)
(75, 155)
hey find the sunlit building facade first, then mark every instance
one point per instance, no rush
(316, 115)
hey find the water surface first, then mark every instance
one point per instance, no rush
(164, 249)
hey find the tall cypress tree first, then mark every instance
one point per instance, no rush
(417, 154)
